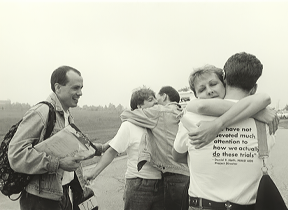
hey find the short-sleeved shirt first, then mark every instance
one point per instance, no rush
(128, 139)
(227, 169)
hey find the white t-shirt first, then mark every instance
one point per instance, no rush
(67, 176)
(227, 169)
(128, 139)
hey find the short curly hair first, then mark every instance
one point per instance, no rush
(243, 70)
(204, 70)
(139, 95)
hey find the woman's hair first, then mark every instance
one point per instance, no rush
(139, 95)
(204, 70)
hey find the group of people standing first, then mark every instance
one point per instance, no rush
(203, 156)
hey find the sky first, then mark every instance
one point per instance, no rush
(119, 46)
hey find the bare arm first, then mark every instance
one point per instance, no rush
(268, 116)
(212, 107)
(243, 109)
(105, 160)
(217, 107)
(207, 107)
(179, 157)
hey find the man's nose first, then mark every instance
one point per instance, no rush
(79, 93)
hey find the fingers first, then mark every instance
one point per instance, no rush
(270, 125)
(276, 123)
(78, 159)
(273, 126)
(192, 134)
(195, 142)
(200, 145)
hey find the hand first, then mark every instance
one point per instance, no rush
(101, 148)
(269, 116)
(89, 176)
(205, 133)
(70, 163)
(105, 146)
(180, 115)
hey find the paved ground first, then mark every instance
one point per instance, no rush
(109, 186)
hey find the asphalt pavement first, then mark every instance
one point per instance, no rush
(109, 185)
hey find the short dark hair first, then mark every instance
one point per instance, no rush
(243, 70)
(139, 95)
(171, 92)
(59, 76)
(203, 70)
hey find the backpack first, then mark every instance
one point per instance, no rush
(12, 182)
(268, 195)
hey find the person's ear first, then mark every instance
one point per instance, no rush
(57, 87)
(253, 90)
(165, 96)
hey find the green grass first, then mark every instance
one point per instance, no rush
(284, 124)
(9, 118)
(99, 126)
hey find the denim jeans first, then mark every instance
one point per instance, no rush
(32, 202)
(176, 191)
(144, 194)
(197, 208)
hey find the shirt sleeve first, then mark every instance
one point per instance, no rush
(180, 143)
(22, 156)
(120, 142)
(147, 118)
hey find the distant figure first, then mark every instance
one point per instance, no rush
(144, 189)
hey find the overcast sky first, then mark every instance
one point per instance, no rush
(120, 46)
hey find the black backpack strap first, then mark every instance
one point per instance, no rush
(50, 126)
(51, 119)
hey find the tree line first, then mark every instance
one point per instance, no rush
(26, 106)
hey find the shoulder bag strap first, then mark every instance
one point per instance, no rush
(85, 138)
(262, 139)
(262, 143)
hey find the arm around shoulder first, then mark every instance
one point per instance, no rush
(212, 107)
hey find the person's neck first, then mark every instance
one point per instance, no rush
(166, 102)
(235, 93)
(64, 109)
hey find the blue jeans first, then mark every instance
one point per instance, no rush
(144, 194)
(32, 202)
(197, 208)
(176, 191)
